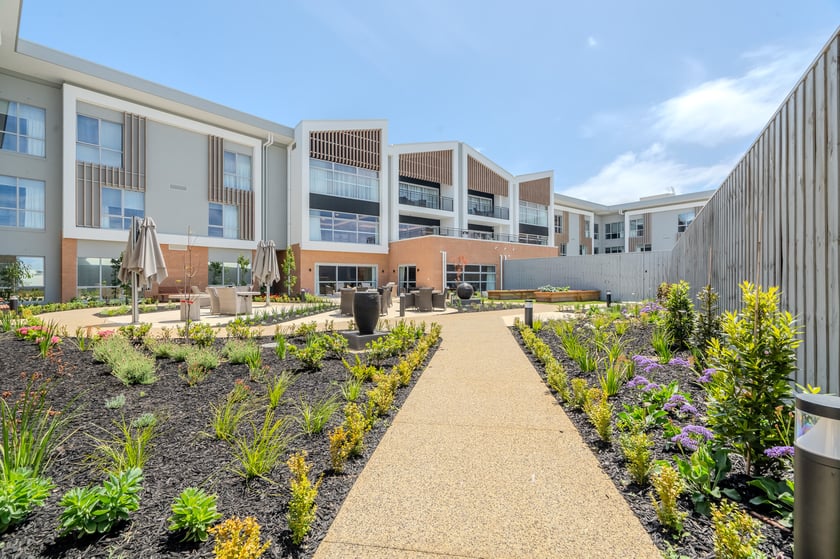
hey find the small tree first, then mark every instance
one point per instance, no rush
(679, 322)
(708, 319)
(288, 266)
(14, 273)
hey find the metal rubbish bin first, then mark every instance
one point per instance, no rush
(14, 304)
(816, 466)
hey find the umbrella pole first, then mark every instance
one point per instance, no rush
(135, 314)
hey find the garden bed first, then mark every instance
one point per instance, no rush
(184, 453)
(696, 540)
(572, 295)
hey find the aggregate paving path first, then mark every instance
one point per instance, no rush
(482, 462)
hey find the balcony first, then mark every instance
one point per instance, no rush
(343, 185)
(422, 197)
(427, 230)
(498, 212)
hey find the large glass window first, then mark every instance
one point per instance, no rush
(332, 277)
(31, 288)
(533, 214)
(480, 276)
(637, 227)
(342, 227)
(21, 203)
(344, 181)
(684, 220)
(613, 250)
(229, 273)
(99, 141)
(119, 206)
(558, 223)
(587, 231)
(223, 221)
(22, 128)
(614, 230)
(237, 171)
(96, 278)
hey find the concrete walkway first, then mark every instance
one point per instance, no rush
(482, 462)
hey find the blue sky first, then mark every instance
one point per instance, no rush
(621, 99)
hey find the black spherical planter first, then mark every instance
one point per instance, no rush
(366, 311)
(464, 291)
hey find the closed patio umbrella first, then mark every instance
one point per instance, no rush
(266, 271)
(143, 261)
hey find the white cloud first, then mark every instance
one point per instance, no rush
(591, 42)
(724, 109)
(653, 171)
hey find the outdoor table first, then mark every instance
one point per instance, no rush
(190, 305)
(247, 299)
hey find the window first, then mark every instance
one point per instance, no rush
(343, 227)
(344, 181)
(562, 249)
(614, 230)
(533, 214)
(480, 276)
(31, 288)
(412, 230)
(684, 220)
(643, 248)
(558, 223)
(223, 221)
(237, 171)
(21, 203)
(595, 234)
(229, 273)
(96, 278)
(582, 250)
(119, 206)
(595, 251)
(586, 228)
(99, 141)
(637, 227)
(332, 277)
(613, 250)
(22, 128)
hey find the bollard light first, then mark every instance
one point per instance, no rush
(609, 298)
(816, 472)
(529, 313)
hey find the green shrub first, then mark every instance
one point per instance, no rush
(679, 319)
(238, 351)
(302, 507)
(580, 391)
(193, 511)
(599, 411)
(707, 325)
(127, 448)
(755, 362)
(199, 332)
(315, 416)
(204, 357)
(258, 454)
(702, 473)
(361, 371)
(30, 429)
(351, 390)
(636, 449)
(135, 368)
(558, 380)
(115, 402)
(238, 328)
(277, 386)
(611, 381)
(96, 510)
(135, 333)
(668, 487)
(336, 345)
(736, 535)
(280, 345)
(226, 417)
(662, 343)
(312, 354)
(20, 492)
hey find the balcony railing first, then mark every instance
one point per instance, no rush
(499, 212)
(423, 231)
(425, 198)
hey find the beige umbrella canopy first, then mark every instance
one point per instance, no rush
(143, 261)
(265, 270)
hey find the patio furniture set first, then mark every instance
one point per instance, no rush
(220, 300)
(423, 299)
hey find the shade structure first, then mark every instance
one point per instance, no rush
(265, 270)
(143, 261)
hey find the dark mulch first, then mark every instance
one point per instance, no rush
(696, 542)
(183, 454)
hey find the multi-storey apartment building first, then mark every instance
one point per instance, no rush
(652, 223)
(84, 148)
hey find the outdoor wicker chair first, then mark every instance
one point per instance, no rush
(424, 299)
(347, 294)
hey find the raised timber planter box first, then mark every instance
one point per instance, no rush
(567, 296)
(508, 294)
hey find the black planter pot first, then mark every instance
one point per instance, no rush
(464, 291)
(366, 311)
